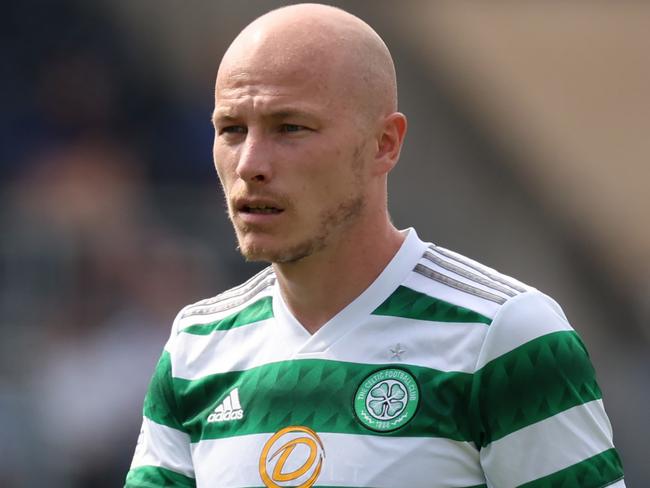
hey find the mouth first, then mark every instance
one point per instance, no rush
(252, 207)
(260, 209)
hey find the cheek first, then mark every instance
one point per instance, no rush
(223, 165)
(334, 174)
(325, 190)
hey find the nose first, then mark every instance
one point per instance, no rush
(254, 164)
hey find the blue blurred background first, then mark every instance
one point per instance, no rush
(528, 149)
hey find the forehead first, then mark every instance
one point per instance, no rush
(265, 86)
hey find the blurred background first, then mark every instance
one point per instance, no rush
(528, 149)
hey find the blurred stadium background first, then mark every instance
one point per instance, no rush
(528, 149)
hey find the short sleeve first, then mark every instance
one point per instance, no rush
(537, 411)
(162, 455)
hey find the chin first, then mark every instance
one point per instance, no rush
(280, 254)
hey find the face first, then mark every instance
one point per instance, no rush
(291, 156)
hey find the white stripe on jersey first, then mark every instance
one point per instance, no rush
(235, 349)
(618, 484)
(442, 346)
(350, 460)
(517, 325)
(438, 345)
(163, 447)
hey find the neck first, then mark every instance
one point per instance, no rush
(319, 286)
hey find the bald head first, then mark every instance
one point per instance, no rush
(306, 132)
(320, 44)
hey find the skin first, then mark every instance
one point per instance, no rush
(306, 132)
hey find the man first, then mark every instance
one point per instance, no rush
(362, 357)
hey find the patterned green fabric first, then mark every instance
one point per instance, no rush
(160, 402)
(319, 394)
(260, 310)
(411, 304)
(596, 472)
(531, 383)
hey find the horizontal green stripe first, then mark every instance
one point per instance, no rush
(531, 383)
(410, 304)
(160, 401)
(318, 394)
(595, 472)
(262, 309)
(539, 379)
(156, 477)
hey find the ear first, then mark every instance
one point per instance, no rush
(390, 138)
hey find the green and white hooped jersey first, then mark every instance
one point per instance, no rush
(443, 373)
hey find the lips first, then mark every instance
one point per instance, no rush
(251, 206)
(260, 209)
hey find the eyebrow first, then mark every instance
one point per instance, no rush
(282, 113)
(220, 116)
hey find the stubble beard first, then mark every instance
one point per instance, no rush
(332, 222)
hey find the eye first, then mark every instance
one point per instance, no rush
(233, 129)
(291, 128)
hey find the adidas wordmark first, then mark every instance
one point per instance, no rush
(228, 409)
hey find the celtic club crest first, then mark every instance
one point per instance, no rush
(387, 399)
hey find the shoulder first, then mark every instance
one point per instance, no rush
(456, 279)
(517, 313)
(531, 320)
(230, 302)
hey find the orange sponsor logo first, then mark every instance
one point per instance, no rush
(293, 454)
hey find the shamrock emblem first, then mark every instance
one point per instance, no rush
(387, 400)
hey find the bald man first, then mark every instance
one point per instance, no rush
(362, 356)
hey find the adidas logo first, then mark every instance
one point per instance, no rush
(228, 409)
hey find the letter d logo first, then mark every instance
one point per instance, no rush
(295, 446)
